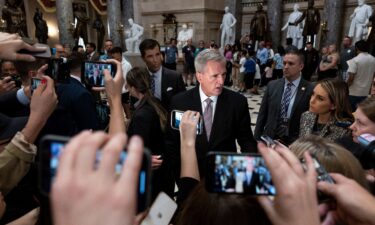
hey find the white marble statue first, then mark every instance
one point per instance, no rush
(360, 19)
(135, 37)
(227, 28)
(294, 31)
(183, 36)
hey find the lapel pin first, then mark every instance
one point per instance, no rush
(303, 88)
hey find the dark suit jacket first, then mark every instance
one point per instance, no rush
(171, 84)
(94, 57)
(75, 110)
(270, 109)
(10, 106)
(231, 122)
(99, 80)
(145, 123)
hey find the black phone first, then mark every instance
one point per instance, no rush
(322, 175)
(93, 72)
(268, 141)
(235, 173)
(35, 82)
(51, 147)
(176, 117)
(42, 54)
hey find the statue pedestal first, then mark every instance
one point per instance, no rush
(135, 59)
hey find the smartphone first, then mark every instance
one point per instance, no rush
(322, 175)
(51, 147)
(268, 141)
(35, 83)
(234, 173)
(176, 120)
(161, 211)
(94, 72)
(43, 54)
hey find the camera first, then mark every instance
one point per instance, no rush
(58, 69)
(367, 142)
(17, 80)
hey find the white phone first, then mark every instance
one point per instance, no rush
(161, 211)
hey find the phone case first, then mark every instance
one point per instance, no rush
(161, 211)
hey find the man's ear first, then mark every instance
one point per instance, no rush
(198, 75)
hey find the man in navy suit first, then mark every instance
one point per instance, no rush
(280, 111)
(76, 107)
(225, 113)
(165, 83)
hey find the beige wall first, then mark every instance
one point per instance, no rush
(204, 17)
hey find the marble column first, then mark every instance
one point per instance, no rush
(274, 12)
(114, 20)
(2, 3)
(65, 18)
(127, 12)
(334, 14)
(235, 7)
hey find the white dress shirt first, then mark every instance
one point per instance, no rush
(204, 103)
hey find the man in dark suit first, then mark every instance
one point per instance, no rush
(76, 106)
(96, 79)
(165, 83)
(91, 53)
(284, 101)
(225, 114)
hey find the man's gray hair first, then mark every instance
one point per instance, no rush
(208, 55)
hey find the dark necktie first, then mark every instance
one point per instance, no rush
(285, 102)
(153, 84)
(207, 117)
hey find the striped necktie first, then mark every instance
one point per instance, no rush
(153, 84)
(286, 100)
(207, 117)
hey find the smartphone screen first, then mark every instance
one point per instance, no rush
(35, 83)
(238, 174)
(94, 72)
(52, 147)
(176, 120)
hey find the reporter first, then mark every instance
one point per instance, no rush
(17, 156)
(149, 121)
(84, 195)
(354, 205)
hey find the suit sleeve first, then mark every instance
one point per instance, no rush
(9, 104)
(84, 112)
(262, 115)
(244, 134)
(172, 152)
(180, 84)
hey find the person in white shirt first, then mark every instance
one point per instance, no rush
(361, 73)
(116, 53)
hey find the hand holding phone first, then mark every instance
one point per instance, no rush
(93, 72)
(52, 148)
(176, 118)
